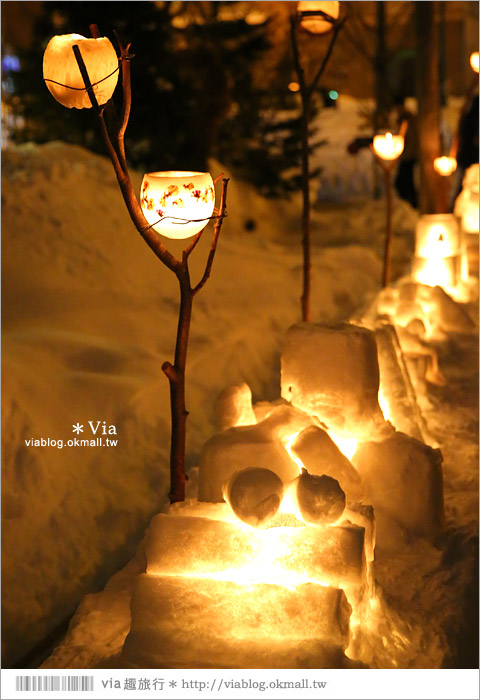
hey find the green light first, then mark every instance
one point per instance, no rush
(333, 94)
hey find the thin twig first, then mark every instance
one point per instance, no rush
(216, 234)
(126, 96)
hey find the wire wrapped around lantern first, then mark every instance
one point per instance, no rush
(318, 17)
(177, 204)
(62, 75)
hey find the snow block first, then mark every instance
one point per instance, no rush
(403, 478)
(233, 407)
(331, 371)
(235, 449)
(180, 546)
(320, 455)
(184, 622)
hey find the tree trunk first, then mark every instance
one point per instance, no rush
(428, 96)
(176, 377)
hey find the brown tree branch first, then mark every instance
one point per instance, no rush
(216, 234)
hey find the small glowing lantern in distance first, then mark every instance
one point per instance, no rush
(474, 61)
(388, 146)
(438, 255)
(177, 204)
(445, 165)
(322, 18)
(62, 74)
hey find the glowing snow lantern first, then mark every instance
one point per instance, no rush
(445, 165)
(177, 204)
(388, 146)
(474, 61)
(62, 74)
(318, 17)
(438, 256)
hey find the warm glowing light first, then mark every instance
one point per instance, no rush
(435, 271)
(318, 24)
(62, 75)
(177, 204)
(293, 86)
(445, 165)
(388, 146)
(288, 442)
(348, 446)
(474, 61)
(383, 403)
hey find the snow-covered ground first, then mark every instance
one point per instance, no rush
(89, 316)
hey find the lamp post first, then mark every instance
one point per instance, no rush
(316, 18)
(86, 76)
(388, 148)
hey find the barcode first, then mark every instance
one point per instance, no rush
(52, 683)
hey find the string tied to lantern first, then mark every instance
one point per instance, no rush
(70, 87)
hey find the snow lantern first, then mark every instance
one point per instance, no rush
(438, 252)
(177, 204)
(318, 17)
(445, 165)
(466, 207)
(62, 74)
(388, 146)
(317, 500)
(474, 61)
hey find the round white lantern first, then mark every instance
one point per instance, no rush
(177, 204)
(388, 146)
(62, 74)
(474, 61)
(317, 24)
(445, 165)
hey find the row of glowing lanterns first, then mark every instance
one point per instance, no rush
(179, 204)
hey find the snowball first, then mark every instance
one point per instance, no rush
(320, 455)
(254, 495)
(238, 448)
(331, 371)
(187, 622)
(318, 499)
(233, 407)
(201, 546)
(403, 478)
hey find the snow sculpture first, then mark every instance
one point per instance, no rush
(403, 479)
(331, 371)
(233, 407)
(321, 456)
(218, 593)
(259, 445)
(254, 495)
(467, 209)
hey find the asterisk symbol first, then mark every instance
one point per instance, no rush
(77, 428)
(173, 684)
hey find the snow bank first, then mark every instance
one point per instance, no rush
(89, 317)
